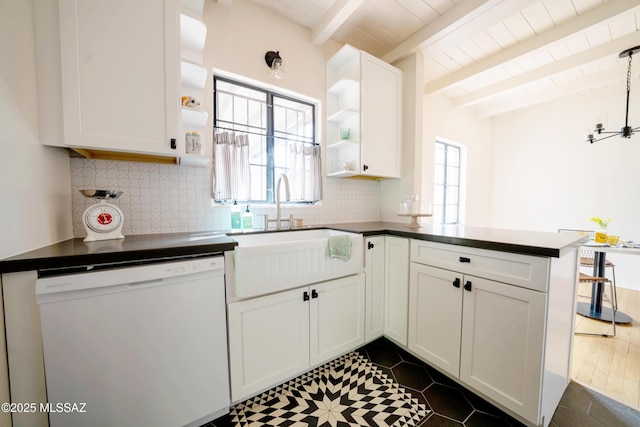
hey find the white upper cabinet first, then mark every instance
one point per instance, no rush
(120, 75)
(363, 116)
(118, 88)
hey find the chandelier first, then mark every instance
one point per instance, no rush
(627, 130)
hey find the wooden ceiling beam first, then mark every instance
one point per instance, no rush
(613, 48)
(457, 24)
(581, 23)
(340, 11)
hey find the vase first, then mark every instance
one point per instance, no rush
(601, 236)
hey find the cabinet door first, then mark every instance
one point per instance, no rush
(119, 62)
(374, 267)
(396, 267)
(336, 317)
(502, 344)
(268, 341)
(435, 316)
(381, 120)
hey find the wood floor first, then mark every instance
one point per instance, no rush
(610, 365)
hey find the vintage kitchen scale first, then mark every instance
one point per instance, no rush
(103, 221)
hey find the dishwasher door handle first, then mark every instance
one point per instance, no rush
(145, 283)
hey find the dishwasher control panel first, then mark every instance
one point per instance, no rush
(147, 274)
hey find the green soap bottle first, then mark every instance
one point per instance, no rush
(247, 220)
(236, 223)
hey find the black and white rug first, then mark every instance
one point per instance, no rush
(348, 391)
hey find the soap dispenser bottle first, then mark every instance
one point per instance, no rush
(236, 223)
(247, 220)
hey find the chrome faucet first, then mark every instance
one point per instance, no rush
(281, 178)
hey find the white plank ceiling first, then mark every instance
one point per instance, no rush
(494, 56)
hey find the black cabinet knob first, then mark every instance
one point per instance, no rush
(456, 283)
(467, 286)
(370, 245)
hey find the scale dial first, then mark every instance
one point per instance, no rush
(103, 221)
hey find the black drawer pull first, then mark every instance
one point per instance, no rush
(305, 296)
(370, 245)
(467, 286)
(464, 259)
(456, 283)
(314, 294)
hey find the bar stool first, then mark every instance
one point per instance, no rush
(587, 258)
(583, 278)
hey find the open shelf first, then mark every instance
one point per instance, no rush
(193, 32)
(343, 86)
(342, 115)
(193, 75)
(342, 144)
(342, 174)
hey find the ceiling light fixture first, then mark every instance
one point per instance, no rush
(627, 130)
(274, 62)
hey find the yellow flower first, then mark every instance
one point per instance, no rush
(603, 223)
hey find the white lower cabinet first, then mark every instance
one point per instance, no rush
(396, 288)
(374, 262)
(492, 336)
(488, 334)
(276, 337)
(387, 292)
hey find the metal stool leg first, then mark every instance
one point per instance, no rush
(614, 303)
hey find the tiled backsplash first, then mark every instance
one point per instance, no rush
(171, 199)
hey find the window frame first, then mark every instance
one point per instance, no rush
(459, 205)
(269, 136)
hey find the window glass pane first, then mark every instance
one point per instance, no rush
(446, 183)
(273, 124)
(293, 119)
(280, 155)
(453, 175)
(453, 156)
(451, 214)
(258, 183)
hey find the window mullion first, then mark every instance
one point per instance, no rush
(270, 150)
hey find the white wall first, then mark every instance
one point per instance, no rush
(545, 176)
(35, 189)
(441, 120)
(392, 191)
(35, 201)
(238, 36)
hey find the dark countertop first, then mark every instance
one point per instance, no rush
(142, 247)
(537, 243)
(139, 248)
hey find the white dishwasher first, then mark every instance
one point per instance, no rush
(136, 346)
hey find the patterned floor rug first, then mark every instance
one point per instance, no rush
(348, 391)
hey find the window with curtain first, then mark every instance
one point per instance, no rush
(447, 183)
(259, 135)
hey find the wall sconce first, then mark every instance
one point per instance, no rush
(274, 61)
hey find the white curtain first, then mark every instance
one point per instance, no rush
(231, 174)
(305, 172)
